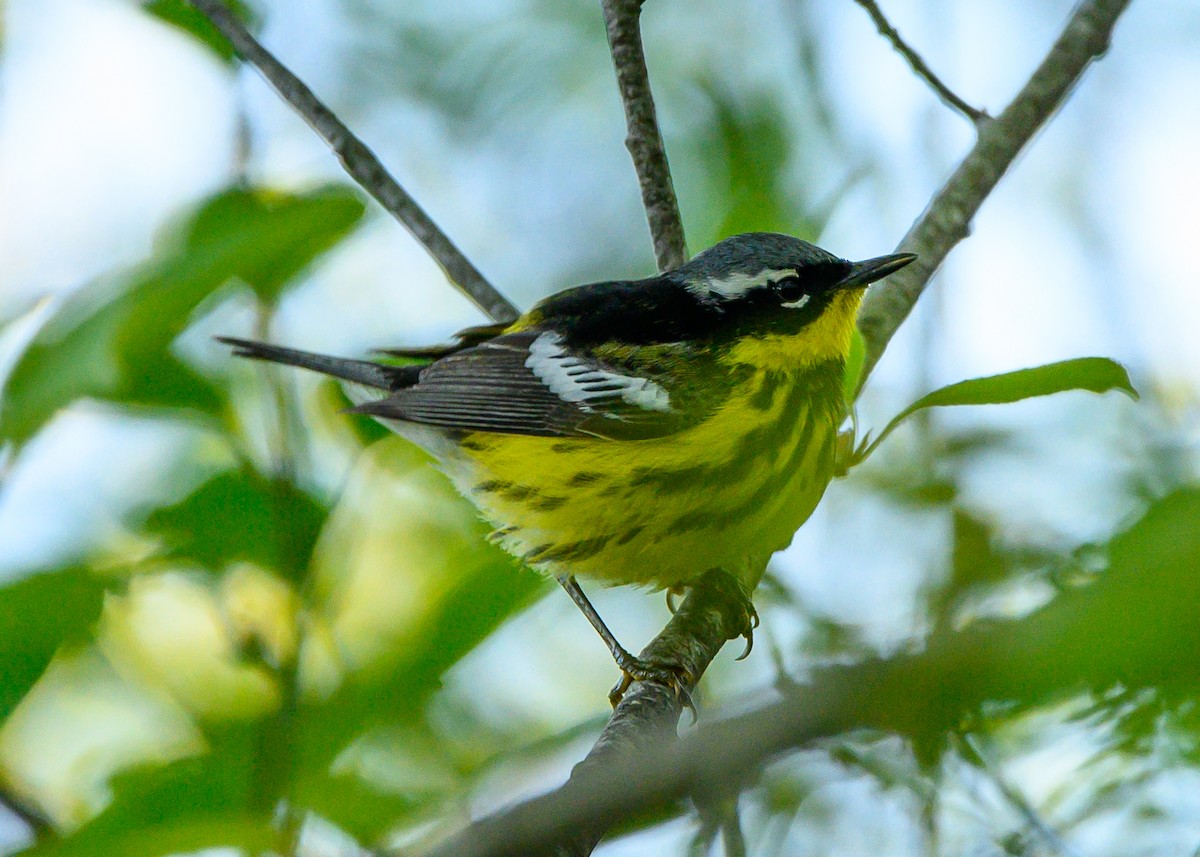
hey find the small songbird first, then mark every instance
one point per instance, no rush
(639, 431)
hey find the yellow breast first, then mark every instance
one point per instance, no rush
(725, 493)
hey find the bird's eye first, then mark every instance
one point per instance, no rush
(791, 292)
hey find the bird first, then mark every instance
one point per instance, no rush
(638, 431)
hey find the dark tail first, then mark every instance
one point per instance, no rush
(467, 338)
(358, 371)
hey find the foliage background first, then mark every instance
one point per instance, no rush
(219, 592)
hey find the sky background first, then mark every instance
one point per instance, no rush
(111, 124)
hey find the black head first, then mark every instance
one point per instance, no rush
(775, 283)
(756, 283)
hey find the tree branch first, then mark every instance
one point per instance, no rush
(645, 719)
(1149, 591)
(644, 140)
(947, 219)
(918, 65)
(361, 163)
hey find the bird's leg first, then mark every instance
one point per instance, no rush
(619, 652)
(632, 668)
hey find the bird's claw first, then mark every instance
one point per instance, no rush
(673, 676)
(748, 633)
(674, 592)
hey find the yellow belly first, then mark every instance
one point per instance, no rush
(726, 493)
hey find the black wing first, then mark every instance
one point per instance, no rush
(531, 383)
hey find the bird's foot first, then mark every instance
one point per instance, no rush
(748, 628)
(674, 592)
(733, 599)
(668, 675)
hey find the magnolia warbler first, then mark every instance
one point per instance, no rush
(639, 431)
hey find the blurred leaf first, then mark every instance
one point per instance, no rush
(181, 14)
(200, 802)
(1133, 627)
(354, 805)
(755, 143)
(480, 602)
(273, 235)
(973, 560)
(1096, 374)
(746, 155)
(111, 340)
(37, 615)
(241, 515)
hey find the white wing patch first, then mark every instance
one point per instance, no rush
(736, 285)
(573, 379)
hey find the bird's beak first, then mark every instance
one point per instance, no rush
(864, 273)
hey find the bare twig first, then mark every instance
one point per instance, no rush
(918, 65)
(644, 140)
(361, 163)
(947, 219)
(973, 745)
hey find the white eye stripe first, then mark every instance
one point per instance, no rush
(735, 285)
(798, 303)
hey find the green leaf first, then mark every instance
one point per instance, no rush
(747, 155)
(354, 805)
(181, 14)
(38, 614)
(1096, 374)
(428, 531)
(495, 589)
(241, 515)
(111, 340)
(288, 232)
(199, 802)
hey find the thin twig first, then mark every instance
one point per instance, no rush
(361, 163)
(947, 219)
(973, 745)
(918, 65)
(644, 140)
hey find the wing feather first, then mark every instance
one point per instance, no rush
(530, 383)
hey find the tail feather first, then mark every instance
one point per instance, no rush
(466, 338)
(364, 372)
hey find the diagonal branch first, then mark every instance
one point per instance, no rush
(644, 140)
(918, 65)
(643, 722)
(1149, 590)
(361, 163)
(947, 219)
